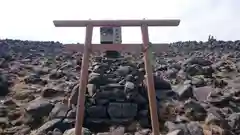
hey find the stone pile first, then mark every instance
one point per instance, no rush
(116, 92)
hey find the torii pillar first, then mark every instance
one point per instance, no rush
(88, 46)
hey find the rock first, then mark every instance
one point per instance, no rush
(137, 98)
(182, 119)
(17, 130)
(131, 92)
(10, 103)
(195, 128)
(172, 73)
(176, 132)
(216, 116)
(56, 74)
(143, 132)
(106, 133)
(48, 126)
(212, 119)
(130, 77)
(122, 110)
(57, 132)
(41, 71)
(198, 81)
(100, 68)
(4, 121)
(198, 60)
(52, 125)
(234, 121)
(194, 70)
(103, 97)
(194, 110)
(185, 91)
(34, 79)
(144, 122)
(85, 131)
(111, 86)
(4, 86)
(59, 111)
(208, 71)
(161, 84)
(129, 86)
(72, 113)
(219, 83)
(170, 126)
(118, 131)
(123, 70)
(202, 93)
(74, 95)
(192, 128)
(91, 89)
(218, 100)
(24, 94)
(166, 95)
(48, 92)
(97, 111)
(39, 107)
(95, 78)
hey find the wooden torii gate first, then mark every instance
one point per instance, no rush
(88, 47)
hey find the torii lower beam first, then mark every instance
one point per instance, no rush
(89, 24)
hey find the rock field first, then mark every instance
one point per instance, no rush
(197, 90)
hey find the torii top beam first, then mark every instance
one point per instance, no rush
(126, 23)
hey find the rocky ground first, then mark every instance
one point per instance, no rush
(197, 86)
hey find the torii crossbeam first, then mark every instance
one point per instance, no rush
(88, 46)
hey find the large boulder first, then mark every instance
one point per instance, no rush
(39, 108)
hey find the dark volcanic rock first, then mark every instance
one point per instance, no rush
(234, 122)
(39, 107)
(74, 94)
(122, 110)
(56, 74)
(59, 111)
(4, 85)
(53, 125)
(199, 61)
(195, 82)
(161, 84)
(185, 91)
(194, 110)
(192, 128)
(48, 92)
(195, 128)
(97, 111)
(202, 93)
(34, 79)
(95, 78)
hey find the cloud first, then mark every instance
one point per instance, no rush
(32, 19)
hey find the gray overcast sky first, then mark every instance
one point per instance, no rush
(32, 19)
